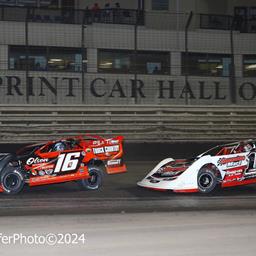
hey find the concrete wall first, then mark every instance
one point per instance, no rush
(122, 37)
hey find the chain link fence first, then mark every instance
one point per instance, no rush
(122, 56)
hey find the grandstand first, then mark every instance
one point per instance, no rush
(182, 70)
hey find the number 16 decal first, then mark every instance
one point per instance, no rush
(67, 162)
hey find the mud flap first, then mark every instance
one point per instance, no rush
(116, 169)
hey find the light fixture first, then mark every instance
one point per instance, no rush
(55, 60)
(251, 67)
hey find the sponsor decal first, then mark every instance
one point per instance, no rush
(97, 142)
(44, 167)
(231, 161)
(234, 173)
(154, 181)
(98, 151)
(37, 160)
(107, 149)
(112, 149)
(111, 141)
(41, 173)
(114, 162)
(49, 172)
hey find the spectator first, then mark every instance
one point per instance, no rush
(95, 7)
(107, 6)
(107, 12)
(87, 16)
(117, 5)
(116, 13)
(96, 12)
(156, 70)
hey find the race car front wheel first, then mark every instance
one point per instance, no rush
(12, 180)
(95, 180)
(207, 181)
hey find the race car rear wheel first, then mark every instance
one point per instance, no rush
(12, 180)
(207, 181)
(95, 180)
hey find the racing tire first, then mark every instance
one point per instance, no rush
(12, 180)
(207, 181)
(95, 181)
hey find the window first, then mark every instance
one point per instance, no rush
(160, 5)
(7, 2)
(19, 2)
(35, 3)
(67, 59)
(45, 58)
(36, 59)
(203, 64)
(26, 2)
(152, 62)
(246, 18)
(249, 65)
(49, 3)
(142, 62)
(68, 4)
(114, 61)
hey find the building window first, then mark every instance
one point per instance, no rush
(141, 62)
(115, 61)
(66, 59)
(26, 2)
(7, 2)
(160, 5)
(152, 62)
(245, 19)
(203, 64)
(249, 65)
(35, 3)
(32, 58)
(19, 2)
(45, 58)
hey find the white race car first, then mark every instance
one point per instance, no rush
(222, 166)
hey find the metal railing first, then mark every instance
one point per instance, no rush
(211, 21)
(224, 22)
(71, 16)
(22, 124)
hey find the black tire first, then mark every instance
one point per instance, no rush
(207, 181)
(12, 180)
(95, 181)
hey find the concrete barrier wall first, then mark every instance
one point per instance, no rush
(30, 123)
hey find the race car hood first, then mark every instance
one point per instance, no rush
(172, 168)
(169, 168)
(178, 165)
(166, 174)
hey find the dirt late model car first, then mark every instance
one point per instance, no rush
(222, 166)
(83, 159)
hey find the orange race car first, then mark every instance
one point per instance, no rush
(83, 159)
